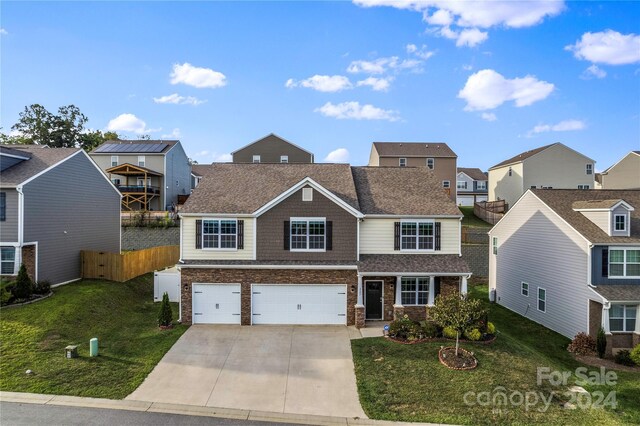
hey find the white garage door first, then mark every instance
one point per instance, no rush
(299, 304)
(216, 303)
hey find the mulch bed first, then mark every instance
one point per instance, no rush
(34, 298)
(464, 361)
(488, 341)
(594, 361)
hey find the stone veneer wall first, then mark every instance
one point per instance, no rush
(246, 277)
(139, 238)
(29, 260)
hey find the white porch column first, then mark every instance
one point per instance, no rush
(398, 301)
(360, 298)
(463, 285)
(637, 331)
(605, 318)
(432, 291)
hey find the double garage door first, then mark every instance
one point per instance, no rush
(271, 304)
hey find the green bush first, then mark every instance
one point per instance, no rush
(24, 287)
(42, 287)
(449, 332)
(635, 354)
(601, 343)
(473, 334)
(165, 316)
(5, 296)
(624, 358)
(582, 344)
(405, 329)
(430, 329)
(491, 329)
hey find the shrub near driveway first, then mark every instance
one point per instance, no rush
(121, 315)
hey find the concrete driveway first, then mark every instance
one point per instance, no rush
(285, 369)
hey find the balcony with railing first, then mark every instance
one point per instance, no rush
(138, 196)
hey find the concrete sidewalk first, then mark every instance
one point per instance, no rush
(227, 413)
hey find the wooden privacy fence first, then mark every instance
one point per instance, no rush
(490, 211)
(122, 267)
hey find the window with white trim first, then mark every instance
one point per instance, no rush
(114, 160)
(583, 186)
(414, 290)
(624, 263)
(542, 299)
(115, 181)
(140, 182)
(141, 160)
(256, 158)
(431, 163)
(219, 233)
(524, 290)
(284, 158)
(7, 260)
(461, 184)
(402, 162)
(417, 235)
(620, 222)
(623, 317)
(446, 184)
(308, 234)
(481, 184)
(589, 169)
(494, 245)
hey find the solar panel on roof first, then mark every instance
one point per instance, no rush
(132, 147)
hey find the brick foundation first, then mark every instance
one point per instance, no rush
(398, 312)
(29, 260)
(359, 322)
(246, 277)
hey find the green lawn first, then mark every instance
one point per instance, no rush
(471, 219)
(121, 315)
(407, 382)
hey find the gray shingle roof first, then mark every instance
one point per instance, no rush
(414, 149)
(562, 202)
(42, 157)
(595, 204)
(473, 173)
(244, 188)
(268, 262)
(423, 263)
(11, 150)
(401, 191)
(619, 293)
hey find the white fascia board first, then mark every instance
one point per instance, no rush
(556, 214)
(101, 172)
(37, 175)
(248, 215)
(412, 216)
(318, 267)
(315, 185)
(4, 154)
(417, 274)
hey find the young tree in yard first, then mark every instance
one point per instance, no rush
(24, 286)
(459, 313)
(601, 343)
(165, 316)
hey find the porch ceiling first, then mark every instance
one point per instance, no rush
(127, 169)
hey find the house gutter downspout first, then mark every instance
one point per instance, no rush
(18, 255)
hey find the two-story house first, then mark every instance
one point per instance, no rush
(552, 166)
(272, 149)
(570, 260)
(150, 174)
(316, 244)
(436, 157)
(471, 186)
(625, 174)
(54, 202)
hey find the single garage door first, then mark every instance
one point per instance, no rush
(216, 303)
(299, 304)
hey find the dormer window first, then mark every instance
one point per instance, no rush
(620, 222)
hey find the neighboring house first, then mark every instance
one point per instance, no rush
(625, 174)
(435, 156)
(317, 244)
(272, 149)
(471, 186)
(197, 171)
(150, 174)
(570, 260)
(54, 203)
(553, 166)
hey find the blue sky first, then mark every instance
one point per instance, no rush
(491, 79)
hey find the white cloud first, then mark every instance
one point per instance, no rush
(197, 77)
(129, 123)
(382, 65)
(3, 31)
(340, 155)
(178, 99)
(354, 111)
(487, 89)
(442, 14)
(322, 83)
(563, 126)
(467, 67)
(488, 116)
(593, 72)
(377, 84)
(422, 52)
(607, 47)
(175, 134)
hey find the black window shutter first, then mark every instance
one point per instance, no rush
(3, 206)
(287, 225)
(198, 234)
(329, 235)
(437, 236)
(240, 234)
(605, 262)
(396, 236)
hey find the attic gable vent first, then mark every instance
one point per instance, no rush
(307, 194)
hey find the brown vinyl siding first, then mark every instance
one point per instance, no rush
(270, 149)
(444, 168)
(270, 235)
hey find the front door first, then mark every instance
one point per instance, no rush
(373, 300)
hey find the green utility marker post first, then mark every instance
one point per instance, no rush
(93, 347)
